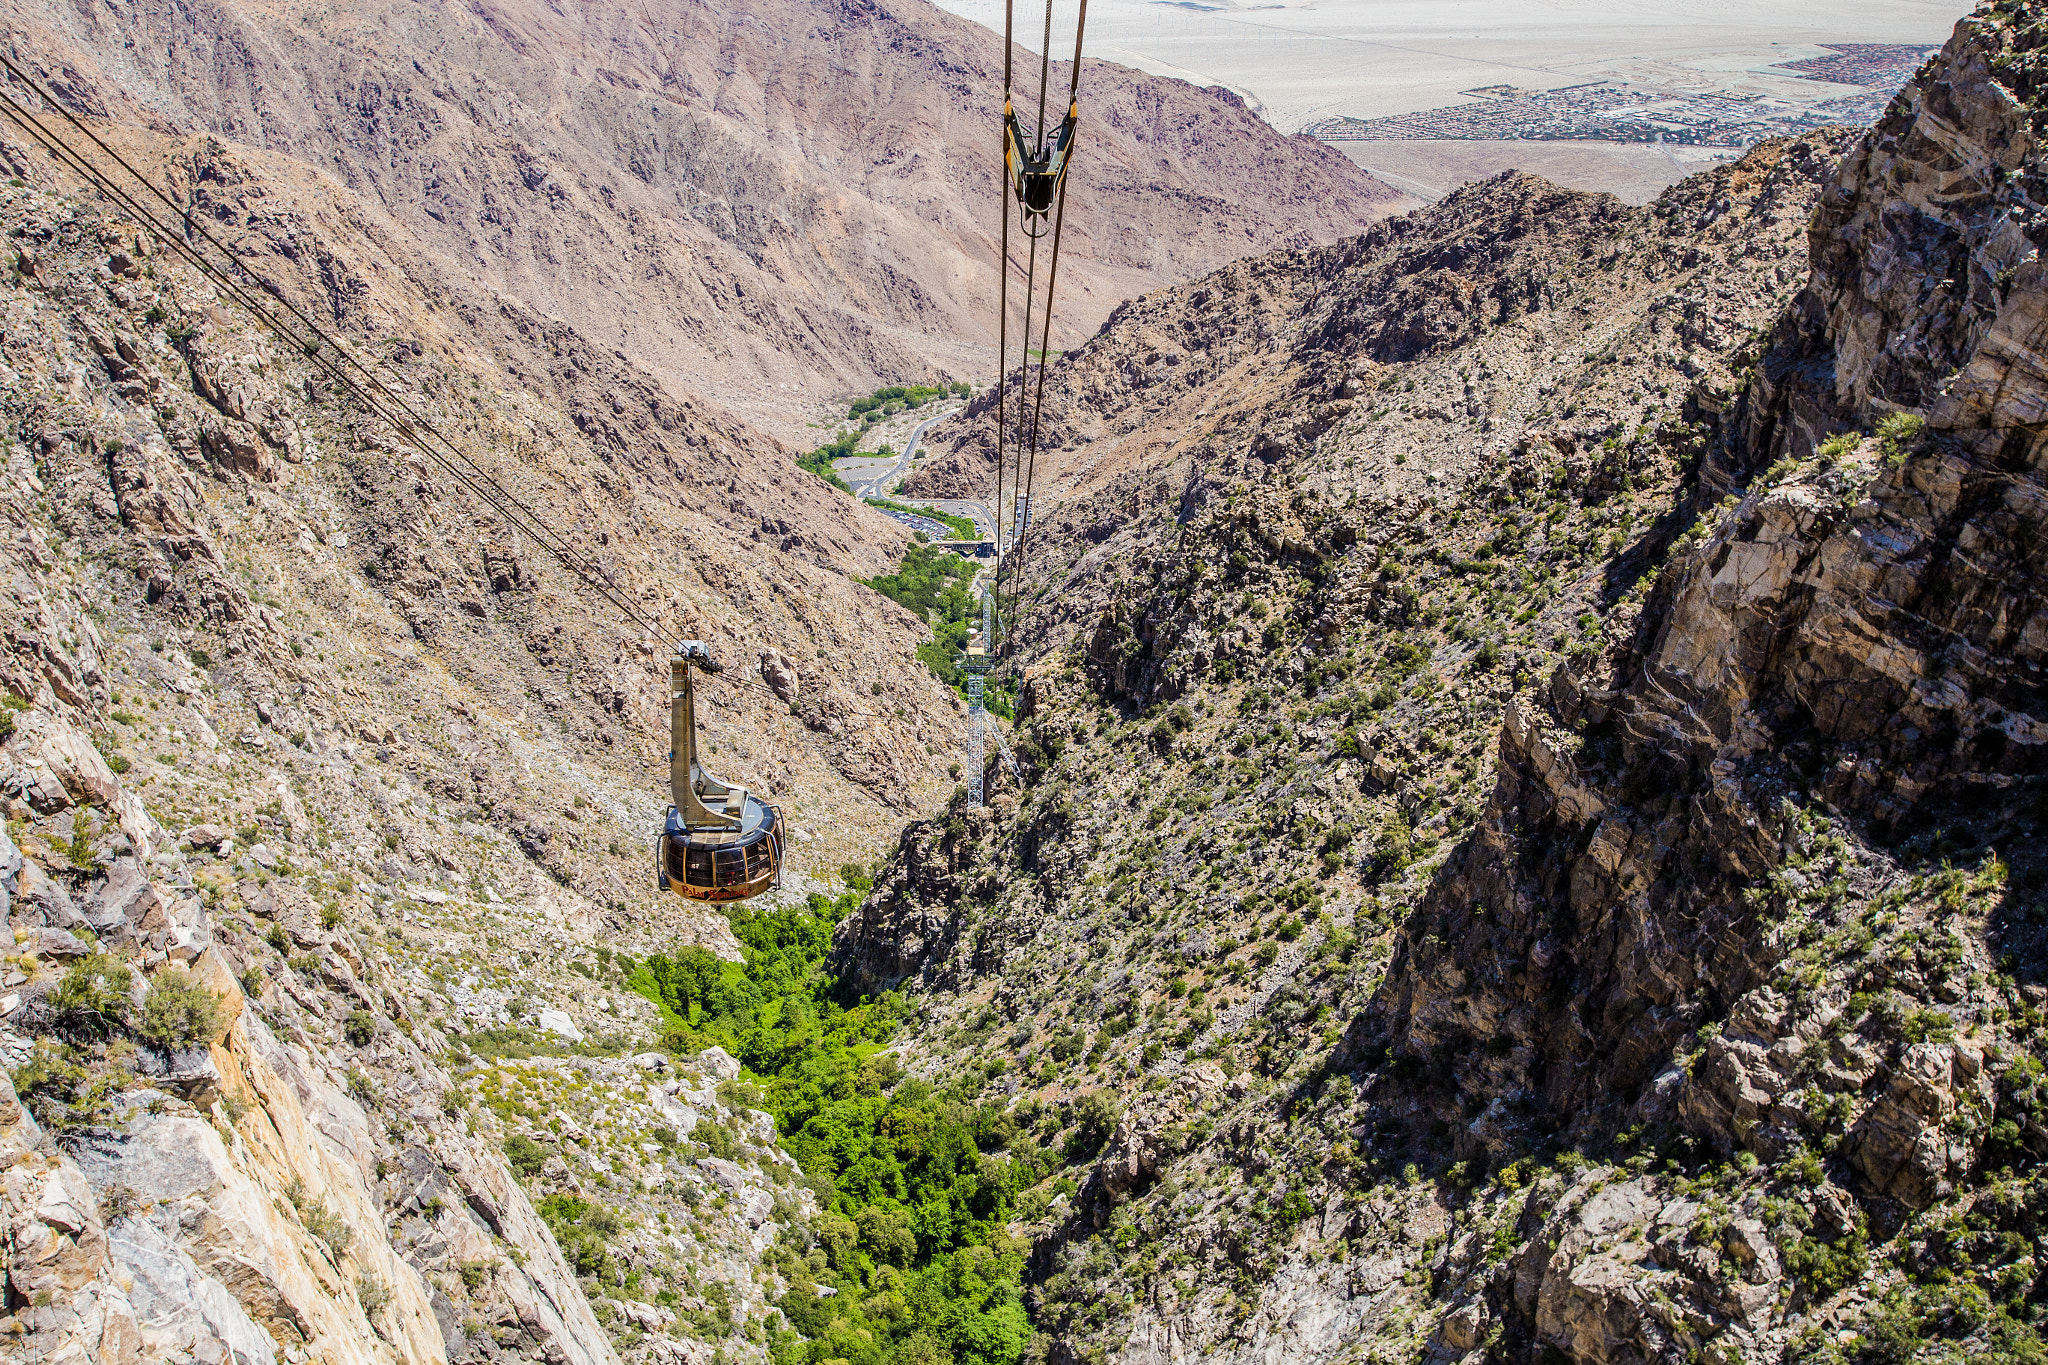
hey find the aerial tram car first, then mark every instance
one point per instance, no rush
(719, 842)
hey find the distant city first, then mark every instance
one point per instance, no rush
(1603, 111)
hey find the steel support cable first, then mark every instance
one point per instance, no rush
(1044, 72)
(1003, 283)
(1038, 402)
(70, 158)
(1029, 454)
(1030, 280)
(1009, 27)
(409, 425)
(1023, 387)
(1030, 299)
(510, 508)
(518, 516)
(1003, 314)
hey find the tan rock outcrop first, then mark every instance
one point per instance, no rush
(1909, 1143)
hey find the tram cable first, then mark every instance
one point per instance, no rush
(1035, 176)
(315, 344)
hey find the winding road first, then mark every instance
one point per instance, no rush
(877, 487)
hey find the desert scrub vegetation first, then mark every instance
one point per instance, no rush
(917, 1183)
(178, 1012)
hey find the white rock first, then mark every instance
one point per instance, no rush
(1617, 1207)
(175, 1300)
(757, 1204)
(556, 1022)
(681, 1116)
(718, 1062)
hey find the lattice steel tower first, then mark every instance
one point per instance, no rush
(975, 664)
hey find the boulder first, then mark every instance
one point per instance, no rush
(1617, 1207)
(10, 870)
(1133, 1154)
(188, 1072)
(1753, 1250)
(780, 674)
(78, 768)
(43, 899)
(208, 836)
(716, 1061)
(1462, 1327)
(53, 943)
(682, 1116)
(292, 910)
(1906, 1144)
(56, 1244)
(127, 903)
(179, 1305)
(560, 1024)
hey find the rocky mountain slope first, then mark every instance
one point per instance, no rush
(799, 198)
(1520, 844)
(321, 787)
(1530, 759)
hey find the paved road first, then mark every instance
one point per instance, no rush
(878, 487)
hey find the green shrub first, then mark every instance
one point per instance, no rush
(1826, 1268)
(372, 1293)
(1929, 1026)
(525, 1155)
(359, 1028)
(1295, 1207)
(179, 1012)
(1899, 432)
(64, 1096)
(582, 1229)
(319, 1220)
(1095, 1117)
(93, 995)
(1835, 447)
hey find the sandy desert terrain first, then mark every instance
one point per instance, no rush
(1430, 168)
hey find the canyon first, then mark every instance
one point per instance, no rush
(1517, 843)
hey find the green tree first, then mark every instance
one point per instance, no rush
(178, 1012)
(917, 1183)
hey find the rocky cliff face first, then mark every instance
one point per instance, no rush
(1529, 797)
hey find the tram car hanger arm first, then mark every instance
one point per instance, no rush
(1035, 176)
